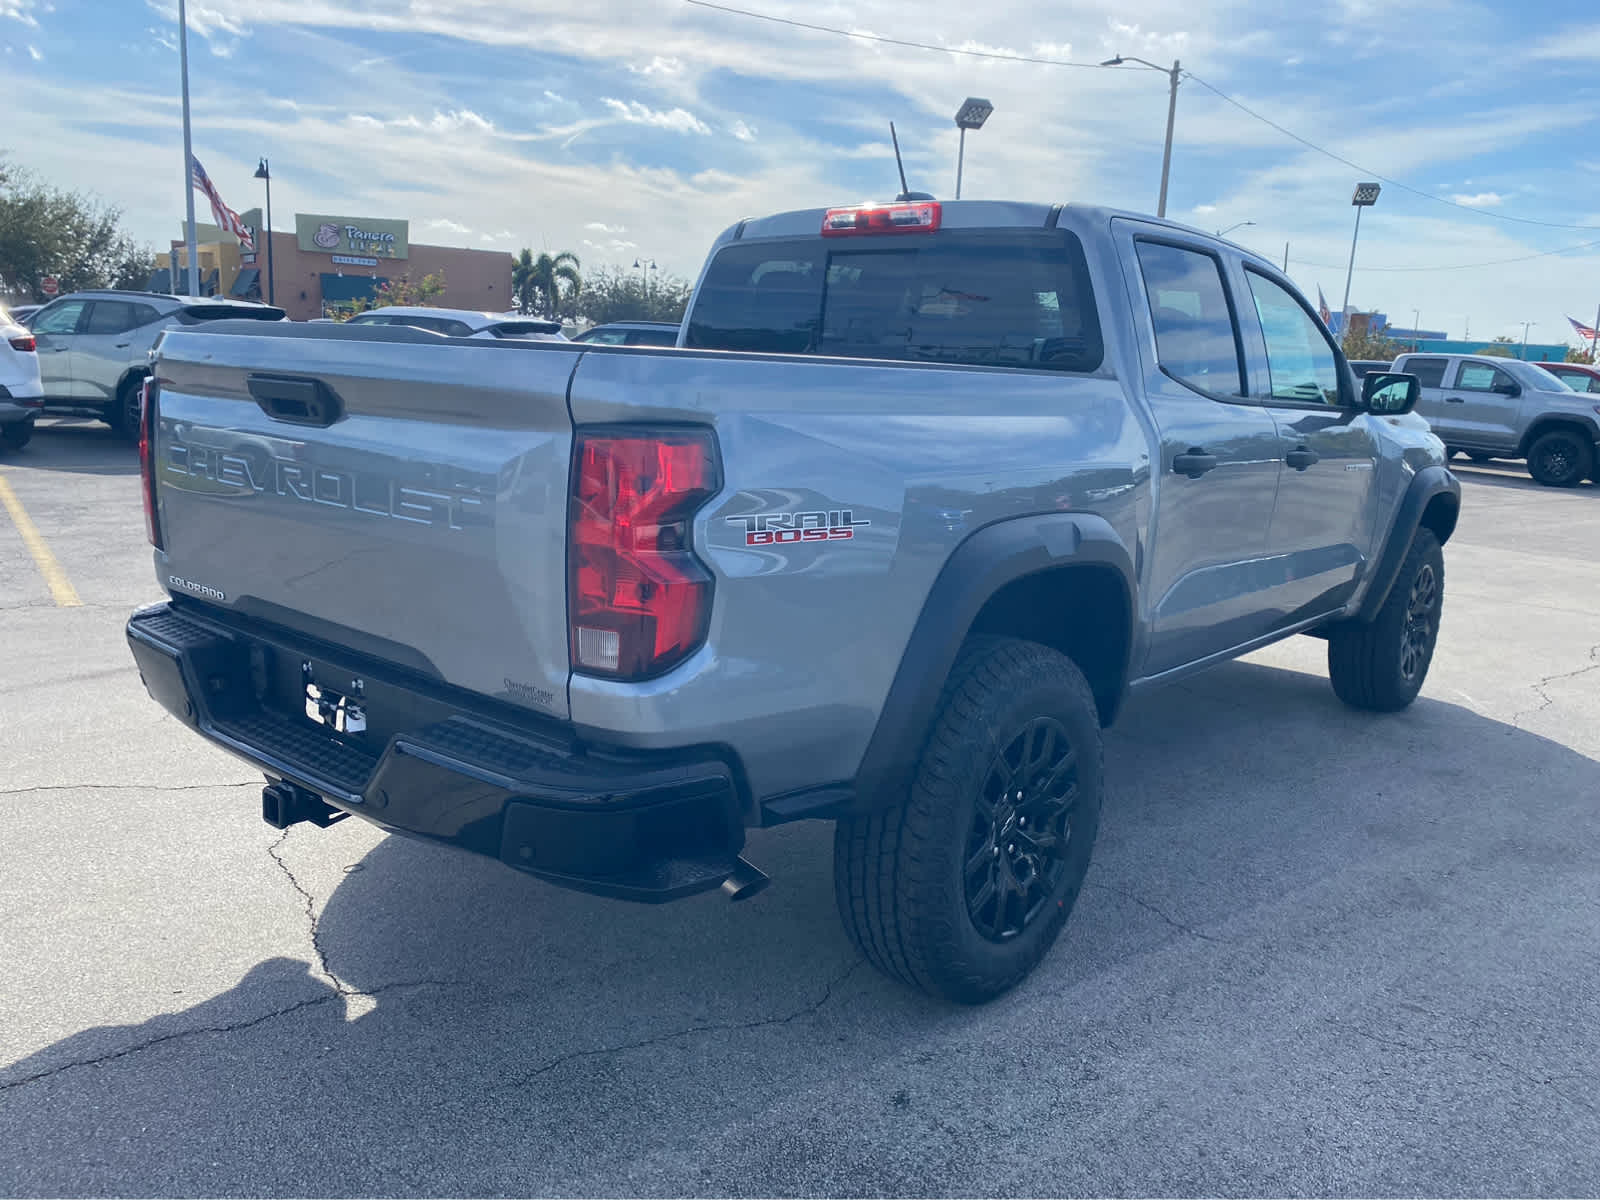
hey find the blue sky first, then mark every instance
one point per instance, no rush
(620, 129)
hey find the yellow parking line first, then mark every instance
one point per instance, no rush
(61, 588)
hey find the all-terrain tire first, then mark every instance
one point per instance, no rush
(1561, 458)
(904, 875)
(1380, 666)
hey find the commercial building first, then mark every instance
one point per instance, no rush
(330, 261)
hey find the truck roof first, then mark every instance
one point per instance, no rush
(976, 214)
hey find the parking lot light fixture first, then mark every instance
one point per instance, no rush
(971, 115)
(1366, 195)
(1173, 76)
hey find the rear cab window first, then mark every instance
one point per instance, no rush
(1429, 371)
(1011, 298)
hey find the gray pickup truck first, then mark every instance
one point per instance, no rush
(1493, 408)
(923, 493)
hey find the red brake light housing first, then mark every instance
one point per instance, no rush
(24, 343)
(638, 600)
(917, 216)
(147, 466)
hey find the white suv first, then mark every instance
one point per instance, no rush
(21, 394)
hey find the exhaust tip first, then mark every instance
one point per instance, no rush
(744, 881)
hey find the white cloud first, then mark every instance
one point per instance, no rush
(461, 118)
(602, 227)
(1479, 199)
(659, 66)
(553, 97)
(446, 224)
(745, 133)
(205, 20)
(1204, 209)
(20, 10)
(365, 121)
(676, 119)
(33, 53)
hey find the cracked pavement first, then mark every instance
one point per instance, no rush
(1319, 951)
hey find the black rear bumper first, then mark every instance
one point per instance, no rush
(435, 765)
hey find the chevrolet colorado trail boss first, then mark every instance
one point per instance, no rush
(924, 491)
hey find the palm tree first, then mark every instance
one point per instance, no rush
(547, 284)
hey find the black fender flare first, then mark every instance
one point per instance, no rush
(979, 567)
(1429, 482)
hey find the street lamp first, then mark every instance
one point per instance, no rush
(1231, 228)
(644, 266)
(264, 172)
(1416, 330)
(971, 115)
(1366, 196)
(1525, 325)
(1172, 111)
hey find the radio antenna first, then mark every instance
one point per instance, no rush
(904, 190)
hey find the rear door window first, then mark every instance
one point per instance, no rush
(1018, 299)
(1481, 377)
(109, 316)
(1429, 371)
(1196, 342)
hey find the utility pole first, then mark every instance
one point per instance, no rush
(188, 152)
(1166, 152)
(1594, 342)
(1524, 353)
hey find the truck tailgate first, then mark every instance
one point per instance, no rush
(415, 509)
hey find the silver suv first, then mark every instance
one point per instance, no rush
(1503, 408)
(94, 347)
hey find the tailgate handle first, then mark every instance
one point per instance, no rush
(297, 401)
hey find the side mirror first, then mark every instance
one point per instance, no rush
(1508, 389)
(1389, 395)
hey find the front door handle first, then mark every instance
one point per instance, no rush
(1301, 457)
(1193, 462)
(123, 345)
(1455, 399)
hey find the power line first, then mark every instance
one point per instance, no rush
(1212, 88)
(889, 41)
(1494, 262)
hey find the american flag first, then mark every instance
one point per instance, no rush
(226, 218)
(1583, 330)
(1322, 307)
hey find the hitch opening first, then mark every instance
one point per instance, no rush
(285, 804)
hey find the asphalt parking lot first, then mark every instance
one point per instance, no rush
(1320, 952)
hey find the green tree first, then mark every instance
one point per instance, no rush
(75, 237)
(1361, 342)
(548, 285)
(614, 293)
(1583, 354)
(1501, 347)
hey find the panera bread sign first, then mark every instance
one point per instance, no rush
(367, 236)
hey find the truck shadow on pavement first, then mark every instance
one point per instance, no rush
(1319, 952)
(78, 446)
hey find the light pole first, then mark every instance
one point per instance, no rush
(1172, 111)
(1231, 228)
(1366, 195)
(645, 266)
(1524, 354)
(265, 172)
(1416, 330)
(971, 115)
(188, 154)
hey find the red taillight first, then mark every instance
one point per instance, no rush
(147, 466)
(26, 343)
(638, 599)
(921, 216)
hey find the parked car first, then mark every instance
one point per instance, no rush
(22, 314)
(1366, 366)
(21, 394)
(1504, 408)
(94, 347)
(631, 333)
(1580, 377)
(597, 612)
(457, 322)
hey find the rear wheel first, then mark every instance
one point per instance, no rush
(1380, 666)
(17, 434)
(123, 415)
(962, 887)
(1561, 458)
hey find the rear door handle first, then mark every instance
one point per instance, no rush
(1301, 457)
(123, 345)
(1193, 462)
(1455, 399)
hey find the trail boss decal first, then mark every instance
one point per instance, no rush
(782, 529)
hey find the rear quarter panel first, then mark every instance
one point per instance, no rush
(805, 638)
